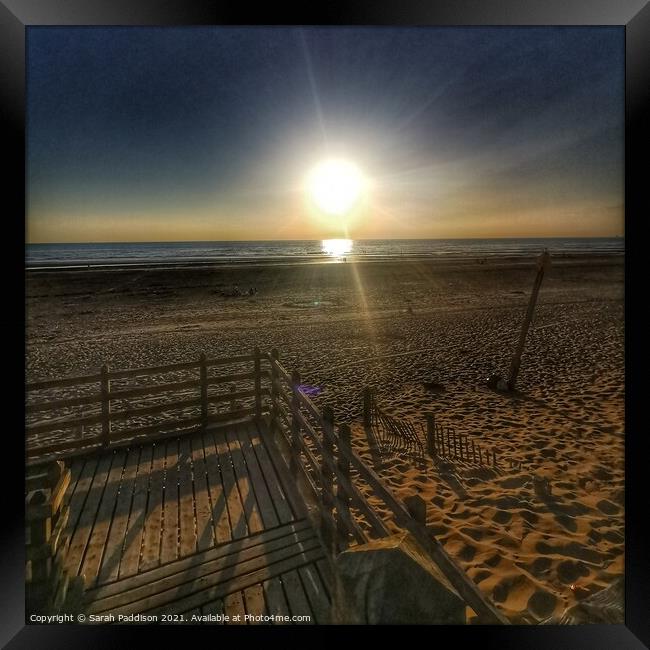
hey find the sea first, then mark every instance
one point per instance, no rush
(44, 256)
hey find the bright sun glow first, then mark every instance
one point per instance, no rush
(337, 247)
(335, 186)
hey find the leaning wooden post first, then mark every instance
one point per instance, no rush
(295, 425)
(431, 434)
(494, 457)
(367, 407)
(105, 387)
(342, 496)
(203, 367)
(275, 410)
(327, 478)
(258, 384)
(543, 263)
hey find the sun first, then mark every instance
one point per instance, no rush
(335, 186)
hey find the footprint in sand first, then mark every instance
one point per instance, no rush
(541, 604)
(502, 517)
(608, 507)
(569, 571)
(493, 561)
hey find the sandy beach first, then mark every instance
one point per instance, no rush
(399, 326)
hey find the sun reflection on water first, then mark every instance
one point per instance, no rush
(337, 247)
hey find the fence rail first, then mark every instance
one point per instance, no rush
(74, 414)
(320, 457)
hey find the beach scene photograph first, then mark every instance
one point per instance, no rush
(325, 325)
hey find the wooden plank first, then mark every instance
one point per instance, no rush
(153, 389)
(153, 370)
(113, 554)
(248, 574)
(151, 539)
(278, 497)
(190, 424)
(203, 575)
(191, 567)
(276, 601)
(204, 527)
(186, 499)
(246, 492)
(133, 538)
(155, 409)
(226, 379)
(86, 521)
(267, 511)
(62, 383)
(170, 531)
(62, 403)
(296, 597)
(97, 542)
(326, 574)
(230, 360)
(233, 605)
(62, 423)
(80, 494)
(219, 509)
(216, 609)
(316, 594)
(233, 500)
(254, 602)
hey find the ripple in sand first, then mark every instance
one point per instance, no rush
(569, 571)
(607, 507)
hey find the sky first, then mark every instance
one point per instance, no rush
(209, 133)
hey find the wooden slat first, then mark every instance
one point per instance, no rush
(296, 597)
(153, 520)
(43, 453)
(97, 541)
(256, 478)
(246, 491)
(62, 383)
(227, 397)
(248, 574)
(155, 409)
(170, 533)
(187, 568)
(254, 601)
(233, 605)
(278, 497)
(316, 594)
(238, 523)
(230, 416)
(62, 423)
(230, 360)
(220, 520)
(113, 554)
(148, 591)
(153, 370)
(154, 389)
(215, 608)
(187, 425)
(86, 521)
(62, 403)
(186, 499)
(276, 601)
(204, 526)
(227, 379)
(133, 538)
(81, 492)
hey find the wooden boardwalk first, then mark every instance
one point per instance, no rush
(200, 524)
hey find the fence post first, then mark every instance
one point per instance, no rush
(342, 497)
(327, 477)
(275, 358)
(204, 389)
(105, 387)
(431, 434)
(494, 457)
(367, 407)
(448, 443)
(295, 425)
(473, 452)
(258, 385)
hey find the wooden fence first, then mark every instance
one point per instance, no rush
(113, 407)
(346, 490)
(49, 589)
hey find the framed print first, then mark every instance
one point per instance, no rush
(328, 319)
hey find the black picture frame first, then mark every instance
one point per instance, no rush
(17, 15)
